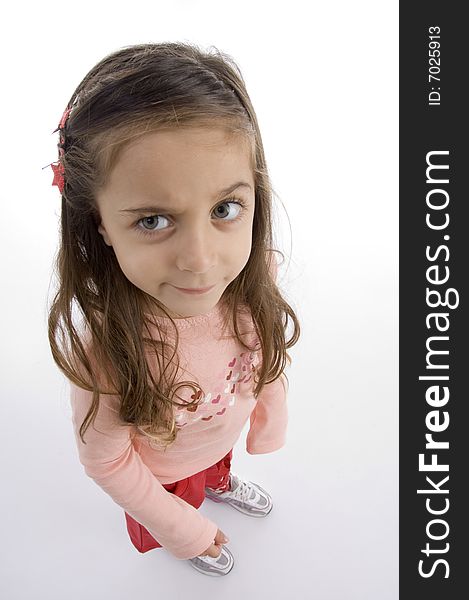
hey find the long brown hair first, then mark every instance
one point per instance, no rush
(137, 89)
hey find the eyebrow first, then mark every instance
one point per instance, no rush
(158, 209)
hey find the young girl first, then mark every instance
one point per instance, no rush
(167, 319)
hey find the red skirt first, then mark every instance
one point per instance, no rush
(192, 490)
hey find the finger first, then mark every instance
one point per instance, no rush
(214, 551)
(221, 538)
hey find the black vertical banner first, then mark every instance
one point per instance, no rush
(434, 256)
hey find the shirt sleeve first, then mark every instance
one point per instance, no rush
(111, 460)
(269, 419)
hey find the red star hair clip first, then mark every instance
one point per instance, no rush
(58, 180)
(57, 167)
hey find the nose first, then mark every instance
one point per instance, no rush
(196, 252)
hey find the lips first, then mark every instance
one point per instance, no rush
(195, 290)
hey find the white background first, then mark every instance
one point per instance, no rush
(323, 80)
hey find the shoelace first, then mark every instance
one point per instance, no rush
(242, 492)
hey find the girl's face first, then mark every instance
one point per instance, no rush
(178, 210)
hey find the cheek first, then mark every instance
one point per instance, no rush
(135, 263)
(238, 251)
(243, 248)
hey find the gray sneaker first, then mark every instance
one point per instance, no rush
(215, 567)
(246, 496)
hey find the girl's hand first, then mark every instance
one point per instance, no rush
(214, 550)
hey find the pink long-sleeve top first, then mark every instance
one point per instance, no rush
(121, 461)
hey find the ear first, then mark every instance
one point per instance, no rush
(105, 235)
